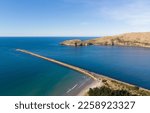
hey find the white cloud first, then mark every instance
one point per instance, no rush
(135, 13)
(132, 12)
(116, 16)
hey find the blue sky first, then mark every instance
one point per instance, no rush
(73, 17)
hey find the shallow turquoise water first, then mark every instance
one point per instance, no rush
(22, 74)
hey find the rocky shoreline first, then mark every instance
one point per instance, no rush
(141, 39)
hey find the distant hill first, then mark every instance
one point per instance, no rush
(140, 39)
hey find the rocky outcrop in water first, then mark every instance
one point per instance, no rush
(128, 39)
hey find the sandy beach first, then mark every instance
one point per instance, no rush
(82, 89)
(85, 89)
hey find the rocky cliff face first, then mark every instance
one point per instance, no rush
(75, 42)
(128, 39)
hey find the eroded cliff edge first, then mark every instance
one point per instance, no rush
(141, 39)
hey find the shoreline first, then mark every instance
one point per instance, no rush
(86, 88)
(80, 88)
(98, 80)
(83, 87)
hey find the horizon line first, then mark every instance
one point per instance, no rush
(103, 35)
(47, 36)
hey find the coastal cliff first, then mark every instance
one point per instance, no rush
(75, 42)
(141, 39)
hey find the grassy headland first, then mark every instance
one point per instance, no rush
(141, 39)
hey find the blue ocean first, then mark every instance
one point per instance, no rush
(25, 75)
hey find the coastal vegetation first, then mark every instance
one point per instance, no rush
(117, 88)
(106, 91)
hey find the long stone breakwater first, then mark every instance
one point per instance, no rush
(83, 71)
(96, 77)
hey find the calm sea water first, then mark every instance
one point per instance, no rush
(22, 74)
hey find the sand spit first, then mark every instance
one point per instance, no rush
(98, 80)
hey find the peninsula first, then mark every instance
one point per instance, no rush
(99, 81)
(140, 39)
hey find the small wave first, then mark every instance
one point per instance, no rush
(88, 79)
(82, 84)
(72, 88)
